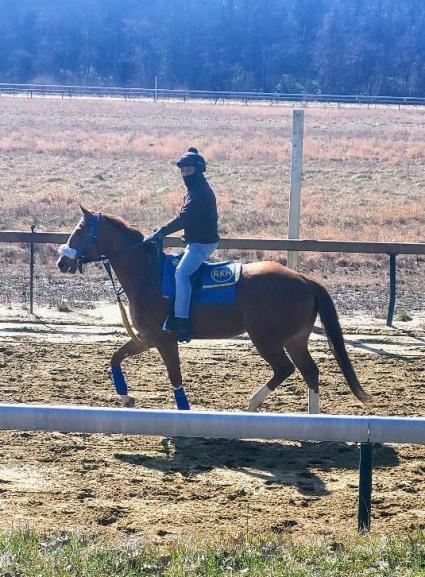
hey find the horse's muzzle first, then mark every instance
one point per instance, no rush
(66, 264)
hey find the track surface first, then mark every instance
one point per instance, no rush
(169, 488)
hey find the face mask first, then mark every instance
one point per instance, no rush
(193, 179)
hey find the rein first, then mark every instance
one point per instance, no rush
(91, 238)
(118, 292)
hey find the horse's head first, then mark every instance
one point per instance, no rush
(81, 244)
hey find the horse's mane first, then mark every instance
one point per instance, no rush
(119, 222)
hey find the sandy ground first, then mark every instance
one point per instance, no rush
(166, 489)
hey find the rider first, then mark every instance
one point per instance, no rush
(198, 217)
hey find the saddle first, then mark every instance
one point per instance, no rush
(212, 283)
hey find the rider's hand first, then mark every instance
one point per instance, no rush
(156, 236)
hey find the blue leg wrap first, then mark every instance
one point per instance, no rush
(119, 380)
(181, 399)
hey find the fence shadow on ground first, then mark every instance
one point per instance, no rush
(298, 465)
(358, 344)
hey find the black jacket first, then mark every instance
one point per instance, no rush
(198, 214)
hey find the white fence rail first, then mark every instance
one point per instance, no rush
(216, 95)
(237, 425)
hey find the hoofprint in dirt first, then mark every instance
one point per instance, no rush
(167, 488)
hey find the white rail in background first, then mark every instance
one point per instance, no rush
(338, 428)
(156, 93)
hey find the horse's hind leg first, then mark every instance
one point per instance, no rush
(300, 355)
(273, 353)
(129, 349)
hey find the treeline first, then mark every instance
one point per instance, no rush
(331, 46)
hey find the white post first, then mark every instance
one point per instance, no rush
(313, 402)
(156, 89)
(295, 189)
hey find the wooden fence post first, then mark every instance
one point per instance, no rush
(295, 186)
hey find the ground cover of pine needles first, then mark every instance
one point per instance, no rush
(23, 553)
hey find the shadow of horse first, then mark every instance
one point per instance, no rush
(296, 465)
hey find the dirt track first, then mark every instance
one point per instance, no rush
(167, 488)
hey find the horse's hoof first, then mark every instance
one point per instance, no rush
(128, 401)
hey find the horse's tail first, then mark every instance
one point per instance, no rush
(329, 318)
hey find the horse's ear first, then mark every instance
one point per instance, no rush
(85, 211)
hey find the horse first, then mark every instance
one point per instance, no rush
(276, 306)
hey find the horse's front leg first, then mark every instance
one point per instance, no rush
(169, 350)
(129, 349)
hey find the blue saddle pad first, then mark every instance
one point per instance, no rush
(212, 283)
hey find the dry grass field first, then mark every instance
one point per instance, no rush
(363, 173)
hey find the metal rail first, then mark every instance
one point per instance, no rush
(390, 248)
(216, 95)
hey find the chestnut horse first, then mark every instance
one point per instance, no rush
(276, 306)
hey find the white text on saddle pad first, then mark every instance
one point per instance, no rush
(220, 275)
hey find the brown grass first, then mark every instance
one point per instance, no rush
(363, 167)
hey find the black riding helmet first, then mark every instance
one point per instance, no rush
(193, 158)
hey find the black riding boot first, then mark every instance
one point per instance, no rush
(179, 327)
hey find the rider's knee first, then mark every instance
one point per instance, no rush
(181, 274)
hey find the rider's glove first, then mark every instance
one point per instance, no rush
(156, 236)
